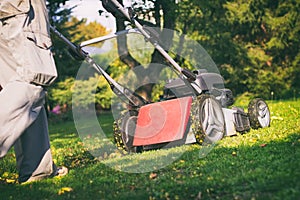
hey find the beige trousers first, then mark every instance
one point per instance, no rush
(23, 122)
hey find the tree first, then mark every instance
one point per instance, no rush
(73, 29)
(76, 31)
(59, 16)
(167, 20)
(270, 33)
(254, 43)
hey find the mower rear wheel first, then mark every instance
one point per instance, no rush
(259, 113)
(124, 129)
(208, 122)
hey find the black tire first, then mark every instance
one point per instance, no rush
(208, 122)
(124, 129)
(259, 113)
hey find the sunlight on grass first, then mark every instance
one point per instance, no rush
(260, 164)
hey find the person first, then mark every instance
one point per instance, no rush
(27, 68)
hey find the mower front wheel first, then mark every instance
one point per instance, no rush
(208, 122)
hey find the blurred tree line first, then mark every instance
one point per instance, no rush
(255, 43)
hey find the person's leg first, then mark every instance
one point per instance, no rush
(34, 159)
(20, 104)
(23, 122)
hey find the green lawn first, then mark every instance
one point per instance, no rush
(262, 164)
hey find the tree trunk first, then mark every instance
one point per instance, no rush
(151, 74)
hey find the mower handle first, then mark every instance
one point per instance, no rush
(73, 47)
(188, 74)
(122, 92)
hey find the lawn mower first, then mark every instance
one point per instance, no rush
(194, 107)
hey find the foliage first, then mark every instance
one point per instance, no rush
(85, 31)
(73, 29)
(59, 16)
(254, 43)
(82, 93)
(62, 93)
(76, 31)
(269, 51)
(261, 164)
(94, 90)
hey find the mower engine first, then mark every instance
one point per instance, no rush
(211, 83)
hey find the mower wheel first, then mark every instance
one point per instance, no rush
(208, 122)
(259, 113)
(124, 129)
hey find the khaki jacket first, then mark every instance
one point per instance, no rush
(26, 22)
(10, 8)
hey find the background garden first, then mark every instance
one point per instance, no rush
(255, 45)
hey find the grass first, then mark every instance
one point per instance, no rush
(261, 164)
